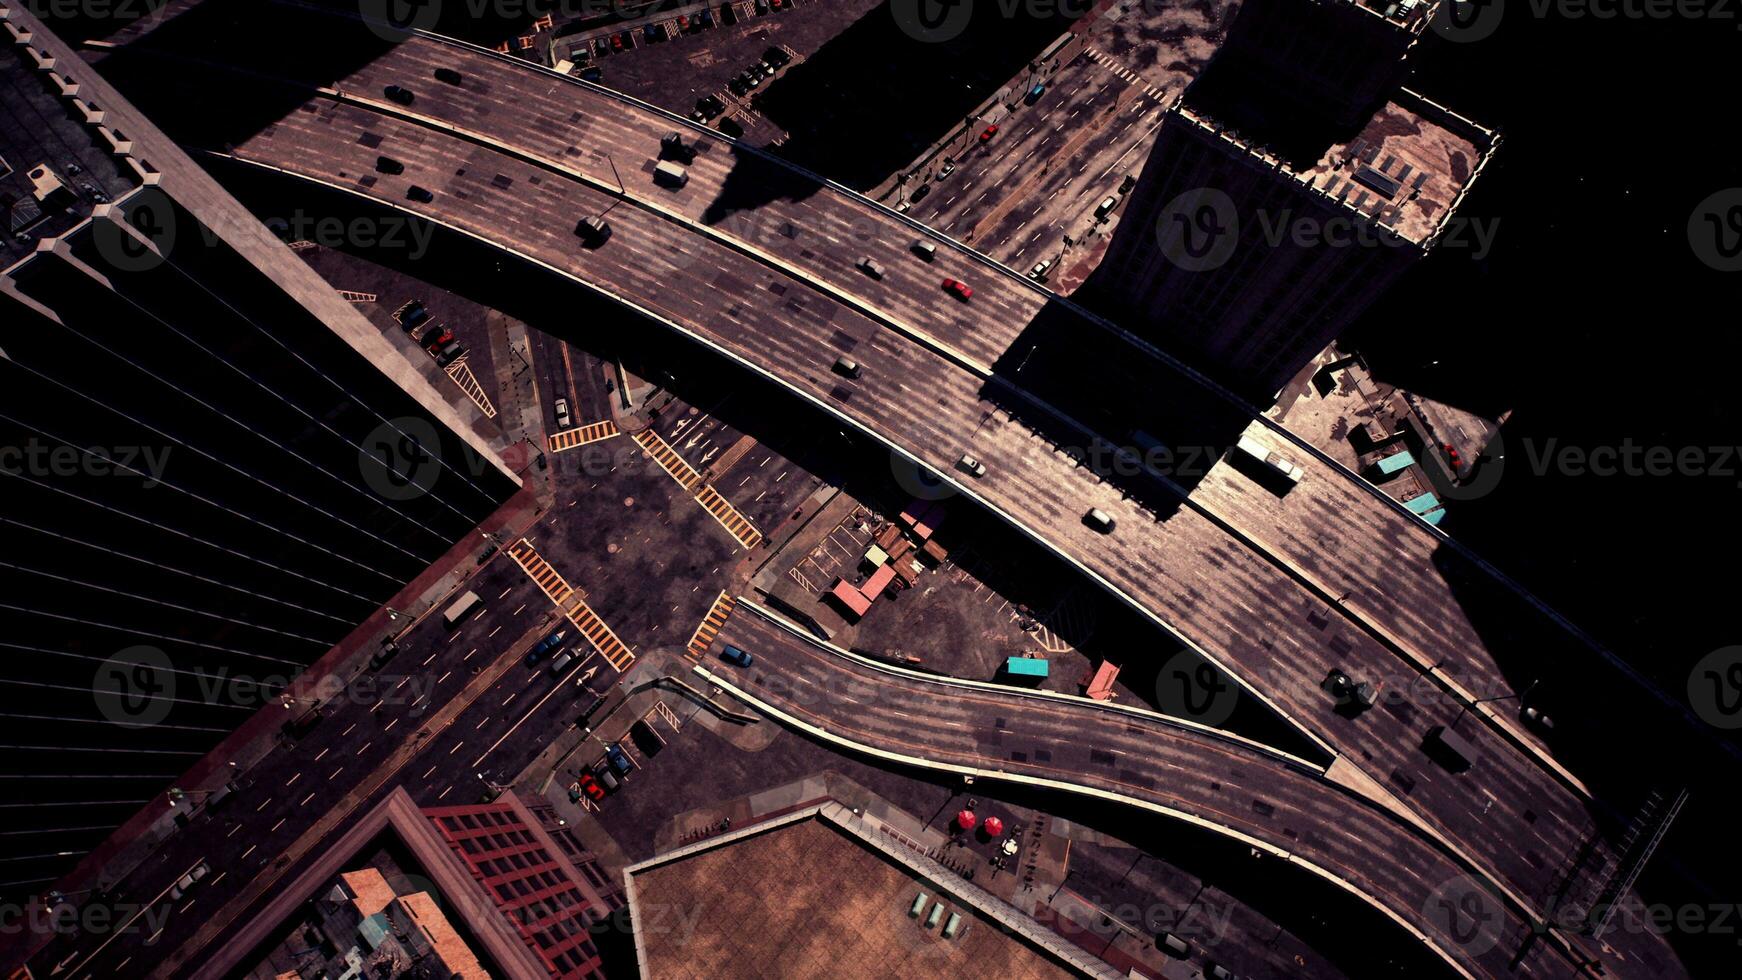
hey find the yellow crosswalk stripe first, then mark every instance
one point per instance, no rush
(540, 571)
(668, 459)
(736, 524)
(614, 650)
(575, 438)
(711, 625)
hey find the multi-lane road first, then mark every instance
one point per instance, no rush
(760, 262)
(452, 709)
(1283, 805)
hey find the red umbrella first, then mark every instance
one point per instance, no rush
(994, 827)
(966, 820)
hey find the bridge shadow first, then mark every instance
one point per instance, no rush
(874, 96)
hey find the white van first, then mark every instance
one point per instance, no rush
(670, 174)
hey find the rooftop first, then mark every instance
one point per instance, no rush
(54, 167)
(801, 895)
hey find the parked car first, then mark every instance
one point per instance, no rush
(602, 772)
(591, 787)
(948, 168)
(399, 94)
(562, 414)
(652, 33)
(1035, 93)
(959, 289)
(1038, 273)
(435, 340)
(619, 761)
(989, 132)
(736, 657)
(593, 73)
(776, 57)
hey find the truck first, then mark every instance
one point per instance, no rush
(670, 174)
(461, 608)
(1450, 749)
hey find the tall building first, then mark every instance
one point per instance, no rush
(1289, 185)
(212, 467)
(1248, 266)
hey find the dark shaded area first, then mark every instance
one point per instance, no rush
(874, 96)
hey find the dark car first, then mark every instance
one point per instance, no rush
(736, 657)
(593, 73)
(776, 57)
(709, 106)
(593, 230)
(646, 738)
(388, 165)
(418, 194)
(738, 85)
(652, 33)
(705, 20)
(401, 95)
(437, 339)
(448, 76)
(543, 647)
(619, 761)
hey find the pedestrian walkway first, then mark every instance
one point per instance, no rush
(543, 575)
(1108, 62)
(576, 438)
(711, 625)
(736, 524)
(614, 650)
(668, 459)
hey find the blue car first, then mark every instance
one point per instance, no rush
(736, 657)
(544, 647)
(619, 762)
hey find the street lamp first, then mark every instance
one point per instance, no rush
(1520, 695)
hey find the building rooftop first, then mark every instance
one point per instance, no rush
(449, 948)
(54, 166)
(1413, 160)
(372, 891)
(802, 894)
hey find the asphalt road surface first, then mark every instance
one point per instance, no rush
(1231, 785)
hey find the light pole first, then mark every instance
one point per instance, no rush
(1520, 695)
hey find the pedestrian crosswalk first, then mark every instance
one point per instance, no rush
(736, 524)
(352, 296)
(614, 650)
(668, 459)
(711, 625)
(461, 373)
(575, 438)
(547, 578)
(1108, 62)
(543, 575)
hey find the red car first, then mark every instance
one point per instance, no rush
(616, 42)
(989, 132)
(962, 290)
(591, 786)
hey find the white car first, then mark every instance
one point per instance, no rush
(1038, 273)
(562, 414)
